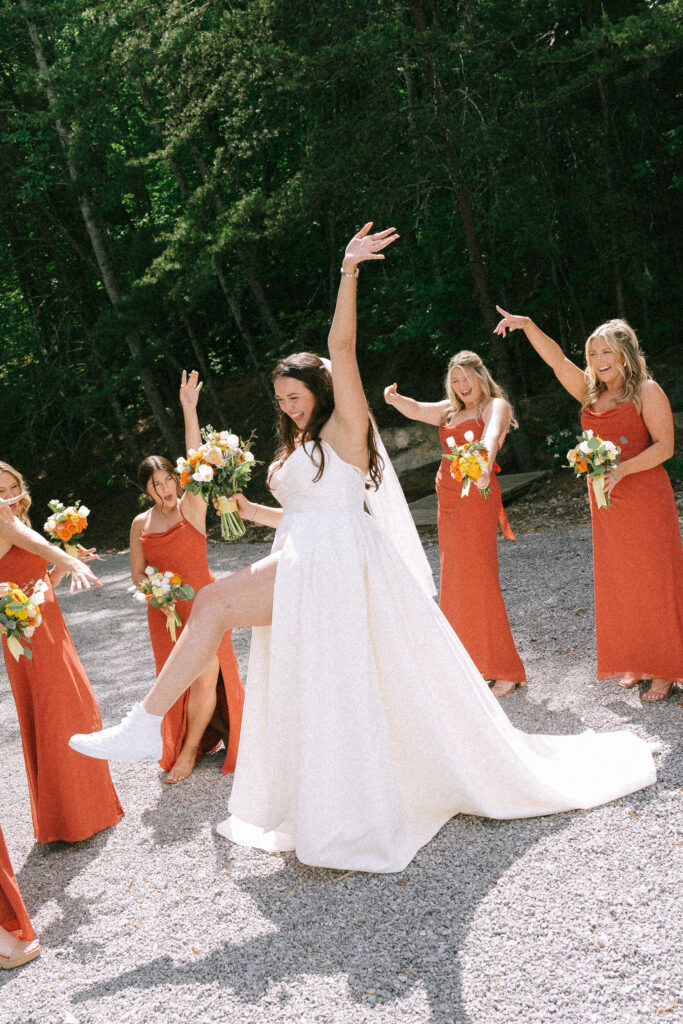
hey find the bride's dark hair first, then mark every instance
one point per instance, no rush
(309, 368)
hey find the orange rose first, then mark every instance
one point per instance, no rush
(175, 579)
(184, 478)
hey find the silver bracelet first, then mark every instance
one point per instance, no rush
(344, 274)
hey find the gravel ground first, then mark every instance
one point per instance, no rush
(571, 918)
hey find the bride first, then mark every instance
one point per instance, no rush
(366, 724)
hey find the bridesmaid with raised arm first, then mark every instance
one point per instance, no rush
(637, 551)
(172, 537)
(18, 943)
(71, 798)
(470, 596)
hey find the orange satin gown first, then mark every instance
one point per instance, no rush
(637, 561)
(72, 796)
(182, 549)
(13, 915)
(470, 587)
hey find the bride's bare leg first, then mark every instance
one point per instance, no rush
(243, 599)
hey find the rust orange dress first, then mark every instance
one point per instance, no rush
(470, 587)
(637, 561)
(72, 796)
(182, 549)
(13, 915)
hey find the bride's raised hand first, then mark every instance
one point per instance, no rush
(366, 246)
(510, 322)
(189, 389)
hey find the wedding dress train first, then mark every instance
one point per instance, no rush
(366, 724)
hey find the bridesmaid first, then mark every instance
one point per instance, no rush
(69, 801)
(470, 595)
(637, 551)
(172, 537)
(18, 943)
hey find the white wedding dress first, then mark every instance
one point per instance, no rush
(366, 724)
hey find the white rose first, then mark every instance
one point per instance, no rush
(203, 474)
(149, 571)
(50, 524)
(29, 631)
(248, 457)
(583, 447)
(450, 441)
(84, 511)
(31, 609)
(139, 596)
(232, 441)
(469, 435)
(588, 434)
(38, 597)
(610, 446)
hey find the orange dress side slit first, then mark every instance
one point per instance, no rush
(72, 797)
(182, 549)
(637, 561)
(470, 596)
(13, 915)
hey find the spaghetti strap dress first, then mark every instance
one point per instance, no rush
(182, 549)
(13, 915)
(637, 561)
(470, 596)
(72, 797)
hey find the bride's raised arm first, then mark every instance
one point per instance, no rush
(347, 428)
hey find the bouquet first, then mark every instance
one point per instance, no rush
(66, 525)
(218, 468)
(468, 462)
(593, 458)
(20, 615)
(162, 590)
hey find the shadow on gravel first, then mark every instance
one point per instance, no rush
(48, 872)
(387, 935)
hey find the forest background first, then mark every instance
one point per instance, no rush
(178, 180)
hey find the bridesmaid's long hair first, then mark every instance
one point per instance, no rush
(148, 468)
(473, 367)
(25, 503)
(309, 368)
(621, 339)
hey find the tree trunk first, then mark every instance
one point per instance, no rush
(107, 269)
(518, 438)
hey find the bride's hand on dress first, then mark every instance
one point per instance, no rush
(510, 322)
(365, 246)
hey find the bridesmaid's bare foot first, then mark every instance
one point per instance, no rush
(628, 680)
(660, 689)
(184, 765)
(503, 687)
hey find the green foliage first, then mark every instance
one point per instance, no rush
(228, 150)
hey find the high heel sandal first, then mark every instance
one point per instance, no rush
(651, 697)
(511, 687)
(628, 682)
(25, 952)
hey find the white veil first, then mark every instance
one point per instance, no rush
(389, 507)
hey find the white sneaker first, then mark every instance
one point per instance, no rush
(136, 738)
